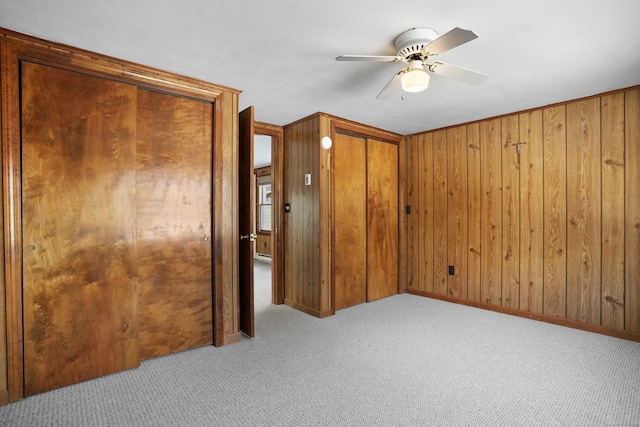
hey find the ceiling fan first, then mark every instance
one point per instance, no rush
(416, 47)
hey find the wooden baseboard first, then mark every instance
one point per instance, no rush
(232, 338)
(625, 335)
(4, 397)
(308, 310)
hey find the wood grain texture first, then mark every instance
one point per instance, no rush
(632, 210)
(510, 211)
(302, 223)
(531, 212)
(555, 211)
(613, 171)
(412, 224)
(440, 209)
(325, 189)
(491, 177)
(577, 250)
(457, 210)
(174, 223)
(425, 212)
(584, 165)
(474, 221)
(225, 226)
(350, 224)
(382, 219)
(78, 208)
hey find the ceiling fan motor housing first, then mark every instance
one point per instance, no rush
(411, 42)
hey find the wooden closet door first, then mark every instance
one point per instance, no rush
(382, 228)
(350, 219)
(174, 190)
(78, 218)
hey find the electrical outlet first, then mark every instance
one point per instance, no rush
(452, 270)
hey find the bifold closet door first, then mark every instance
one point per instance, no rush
(349, 166)
(382, 227)
(174, 193)
(80, 299)
(365, 212)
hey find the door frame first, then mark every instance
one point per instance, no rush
(277, 233)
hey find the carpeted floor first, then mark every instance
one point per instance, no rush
(400, 361)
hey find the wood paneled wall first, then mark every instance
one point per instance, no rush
(308, 226)
(538, 212)
(302, 222)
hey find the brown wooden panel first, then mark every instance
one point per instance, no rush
(584, 211)
(474, 221)
(225, 196)
(531, 211)
(632, 211)
(78, 207)
(302, 223)
(412, 150)
(613, 169)
(174, 223)
(440, 213)
(263, 244)
(382, 219)
(555, 211)
(349, 214)
(510, 211)
(490, 151)
(457, 210)
(425, 212)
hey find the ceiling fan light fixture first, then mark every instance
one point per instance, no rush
(415, 80)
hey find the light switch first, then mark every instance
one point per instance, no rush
(307, 179)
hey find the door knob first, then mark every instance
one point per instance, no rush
(252, 237)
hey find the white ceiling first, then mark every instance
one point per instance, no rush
(281, 53)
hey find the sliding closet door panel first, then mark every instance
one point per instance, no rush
(174, 223)
(350, 213)
(382, 230)
(78, 217)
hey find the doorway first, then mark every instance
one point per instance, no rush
(263, 245)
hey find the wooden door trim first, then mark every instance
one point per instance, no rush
(277, 173)
(14, 48)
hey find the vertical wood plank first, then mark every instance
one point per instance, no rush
(457, 210)
(440, 212)
(510, 212)
(632, 210)
(491, 261)
(584, 200)
(531, 212)
(382, 219)
(474, 221)
(350, 226)
(413, 220)
(613, 169)
(426, 213)
(555, 211)
(325, 220)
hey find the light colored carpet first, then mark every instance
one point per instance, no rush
(400, 361)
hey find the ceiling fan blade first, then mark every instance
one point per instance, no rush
(392, 86)
(373, 58)
(448, 41)
(455, 72)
